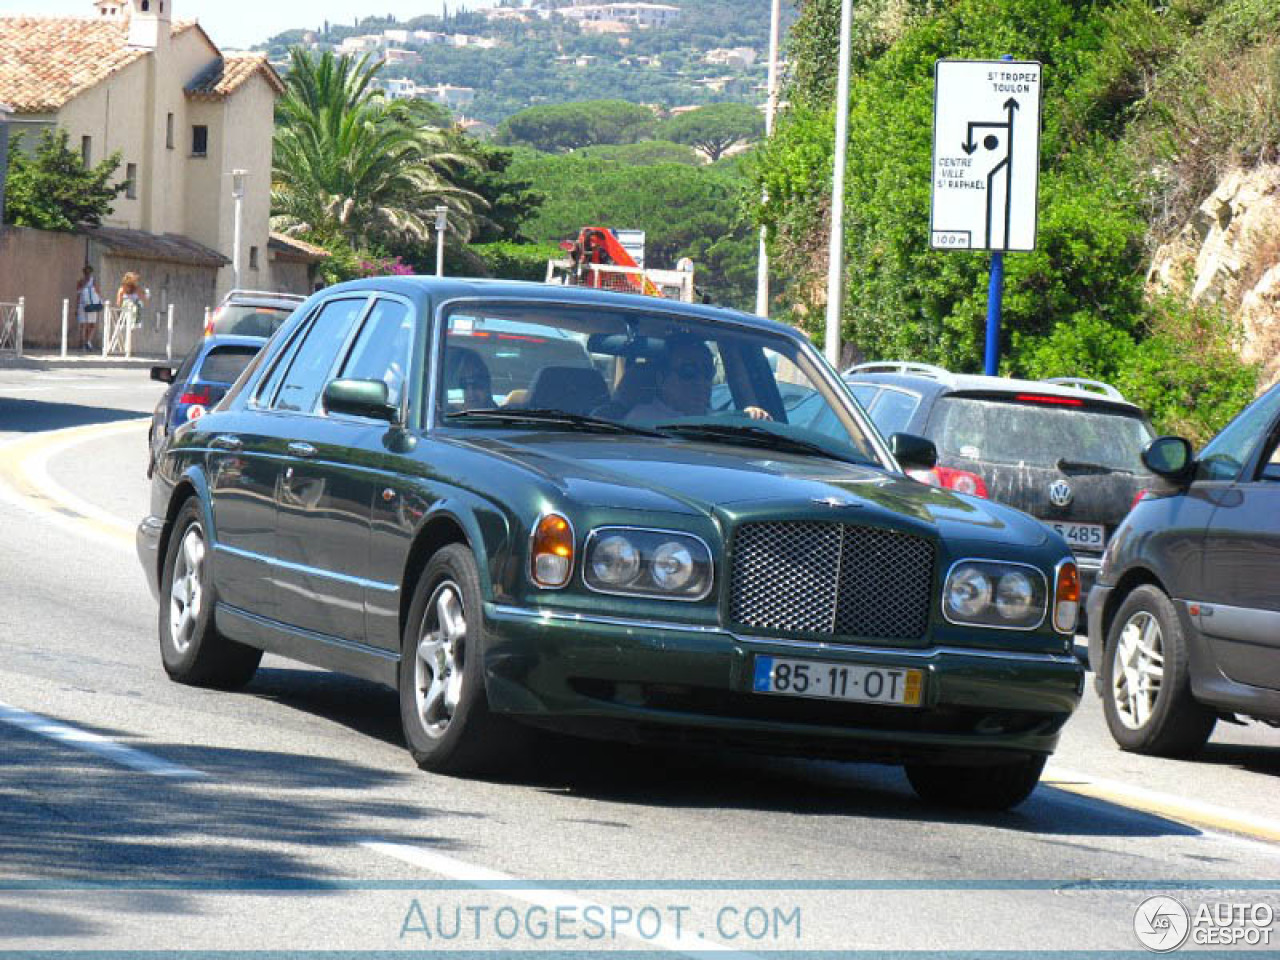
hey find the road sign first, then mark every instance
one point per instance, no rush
(986, 154)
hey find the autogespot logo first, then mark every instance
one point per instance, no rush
(1161, 923)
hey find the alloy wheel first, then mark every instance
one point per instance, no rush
(440, 659)
(186, 592)
(1137, 670)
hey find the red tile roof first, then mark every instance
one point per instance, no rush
(225, 75)
(291, 248)
(47, 61)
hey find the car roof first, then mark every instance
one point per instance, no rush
(943, 382)
(442, 289)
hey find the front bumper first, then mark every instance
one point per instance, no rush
(674, 683)
(147, 541)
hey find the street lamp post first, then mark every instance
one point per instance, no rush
(771, 108)
(835, 249)
(442, 224)
(237, 193)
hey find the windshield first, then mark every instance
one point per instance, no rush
(1000, 432)
(656, 371)
(244, 320)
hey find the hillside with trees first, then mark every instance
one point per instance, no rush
(555, 60)
(1146, 107)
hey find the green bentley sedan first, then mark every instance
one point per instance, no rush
(524, 505)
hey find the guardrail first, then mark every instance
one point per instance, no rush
(12, 318)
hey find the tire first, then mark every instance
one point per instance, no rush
(999, 787)
(444, 710)
(192, 650)
(1146, 680)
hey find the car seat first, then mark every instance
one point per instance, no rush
(571, 389)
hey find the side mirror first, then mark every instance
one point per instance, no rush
(1168, 457)
(360, 398)
(912, 452)
(163, 374)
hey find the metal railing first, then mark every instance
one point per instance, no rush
(12, 320)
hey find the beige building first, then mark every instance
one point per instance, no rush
(128, 77)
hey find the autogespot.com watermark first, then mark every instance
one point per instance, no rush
(599, 924)
(1163, 923)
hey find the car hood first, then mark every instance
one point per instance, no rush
(740, 482)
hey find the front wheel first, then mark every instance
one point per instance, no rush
(443, 707)
(1146, 680)
(191, 648)
(977, 788)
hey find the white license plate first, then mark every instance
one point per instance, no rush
(1089, 536)
(825, 680)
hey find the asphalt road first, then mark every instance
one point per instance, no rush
(139, 814)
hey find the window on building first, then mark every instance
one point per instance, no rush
(253, 258)
(168, 131)
(86, 150)
(199, 140)
(131, 181)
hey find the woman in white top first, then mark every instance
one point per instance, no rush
(88, 307)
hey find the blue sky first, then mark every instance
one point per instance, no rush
(235, 24)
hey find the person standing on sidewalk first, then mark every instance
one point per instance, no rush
(130, 298)
(88, 307)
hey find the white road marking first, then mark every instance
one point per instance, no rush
(95, 743)
(549, 900)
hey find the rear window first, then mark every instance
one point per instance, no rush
(224, 364)
(243, 320)
(997, 431)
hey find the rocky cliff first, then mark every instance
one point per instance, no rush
(1229, 254)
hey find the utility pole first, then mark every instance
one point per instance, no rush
(771, 109)
(835, 248)
(237, 193)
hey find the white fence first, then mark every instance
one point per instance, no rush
(12, 316)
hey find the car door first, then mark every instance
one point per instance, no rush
(243, 467)
(329, 475)
(1240, 608)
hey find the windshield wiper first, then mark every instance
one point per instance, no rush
(1084, 466)
(545, 416)
(757, 436)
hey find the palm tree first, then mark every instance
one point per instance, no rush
(349, 162)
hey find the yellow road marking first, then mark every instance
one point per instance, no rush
(23, 471)
(1183, 809)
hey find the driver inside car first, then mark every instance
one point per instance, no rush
(685, 372)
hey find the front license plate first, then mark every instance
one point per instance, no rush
(825, 680)
(1090, 536)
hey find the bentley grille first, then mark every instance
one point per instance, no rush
(830, 578)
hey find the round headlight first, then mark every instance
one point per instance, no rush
(968, 592)
(615, 561)
(672, 566)
(1015, 596)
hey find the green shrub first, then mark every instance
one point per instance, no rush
(516, 261)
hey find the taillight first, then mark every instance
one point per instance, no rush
(213, 320)
(1066, 597)
(201, 396)
(961, 481)
(1139, 497)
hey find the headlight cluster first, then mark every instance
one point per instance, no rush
(647, 563)
(988, 593)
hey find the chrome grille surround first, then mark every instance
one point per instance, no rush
(834, 579)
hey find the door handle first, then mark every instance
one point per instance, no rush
(226, 441)
(302, 449)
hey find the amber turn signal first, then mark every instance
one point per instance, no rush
(1066, 598)
(551, 556)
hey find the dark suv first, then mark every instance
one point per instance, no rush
(1066, 451)
(1184, 625)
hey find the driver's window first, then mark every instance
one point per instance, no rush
(1227, 453)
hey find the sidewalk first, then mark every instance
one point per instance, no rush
(42, 359)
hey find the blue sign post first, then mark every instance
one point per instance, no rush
(986, 160)
(995, 298)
